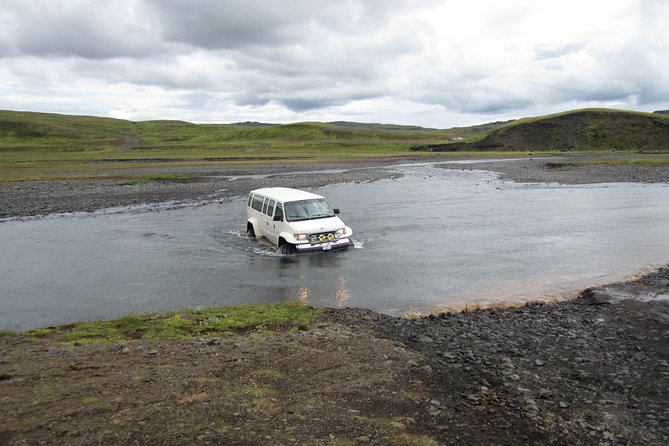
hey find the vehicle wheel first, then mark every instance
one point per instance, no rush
(286, 248)
(250, 232)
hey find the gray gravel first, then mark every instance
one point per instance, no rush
(589, 371)
(216, 183)
(559, 170)
(45, 197)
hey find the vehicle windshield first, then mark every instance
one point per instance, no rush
(308, 209)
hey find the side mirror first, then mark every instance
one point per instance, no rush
(336, 211)
(278, 218)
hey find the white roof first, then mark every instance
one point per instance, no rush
(285, 194)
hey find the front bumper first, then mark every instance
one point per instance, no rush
(327, 246)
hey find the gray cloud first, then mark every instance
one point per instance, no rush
(312, 56)
(86, 29)
(238, 24)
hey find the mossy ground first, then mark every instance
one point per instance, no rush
(185, 324)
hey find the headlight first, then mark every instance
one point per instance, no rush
(341, 232)
(300, 237)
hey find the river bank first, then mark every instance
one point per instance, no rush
(588, 371)
(31, 198)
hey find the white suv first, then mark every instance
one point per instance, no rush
(295, 220)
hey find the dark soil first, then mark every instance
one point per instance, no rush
(588, 371)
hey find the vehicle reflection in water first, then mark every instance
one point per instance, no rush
(308, 265)
(434, 238)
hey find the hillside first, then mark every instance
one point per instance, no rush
(587, 129)
(37, 146)
(28, 130)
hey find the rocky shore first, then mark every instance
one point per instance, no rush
(20, 199)
(590, 371)
(571, 169)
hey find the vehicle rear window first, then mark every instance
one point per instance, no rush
(257, 202)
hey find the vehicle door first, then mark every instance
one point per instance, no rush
(278, 224)
(269, 226)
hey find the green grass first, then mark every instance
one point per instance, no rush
(159, 178)
(185, 324)
(40, 146)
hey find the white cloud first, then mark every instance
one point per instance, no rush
(425, 62)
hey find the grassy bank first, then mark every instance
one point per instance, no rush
(185, 324)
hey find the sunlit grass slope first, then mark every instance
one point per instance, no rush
(40, 145)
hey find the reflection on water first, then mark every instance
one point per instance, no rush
(432, 239)
(342, 294)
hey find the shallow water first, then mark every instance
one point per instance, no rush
(433, 239)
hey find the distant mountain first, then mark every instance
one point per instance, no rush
(662, 112)
(368, 125)
(587, 129)
(253, 124)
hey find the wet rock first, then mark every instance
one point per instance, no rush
(545, 394)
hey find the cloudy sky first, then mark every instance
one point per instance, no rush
(424, 62)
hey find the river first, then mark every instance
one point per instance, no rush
(433, 239)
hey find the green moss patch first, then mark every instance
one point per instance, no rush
(160, 178)
(184, 324)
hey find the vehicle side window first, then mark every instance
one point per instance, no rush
(257, 202)
(279, 211)
(270, 208)
(264, 206)
(250, 200)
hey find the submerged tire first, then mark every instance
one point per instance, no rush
(250, 232)
(286, 248)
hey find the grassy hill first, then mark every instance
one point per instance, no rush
(578, 130)
(45, 146)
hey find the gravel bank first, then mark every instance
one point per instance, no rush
(59, 196)
(590, 371)
(215, 183)
(560, 170)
